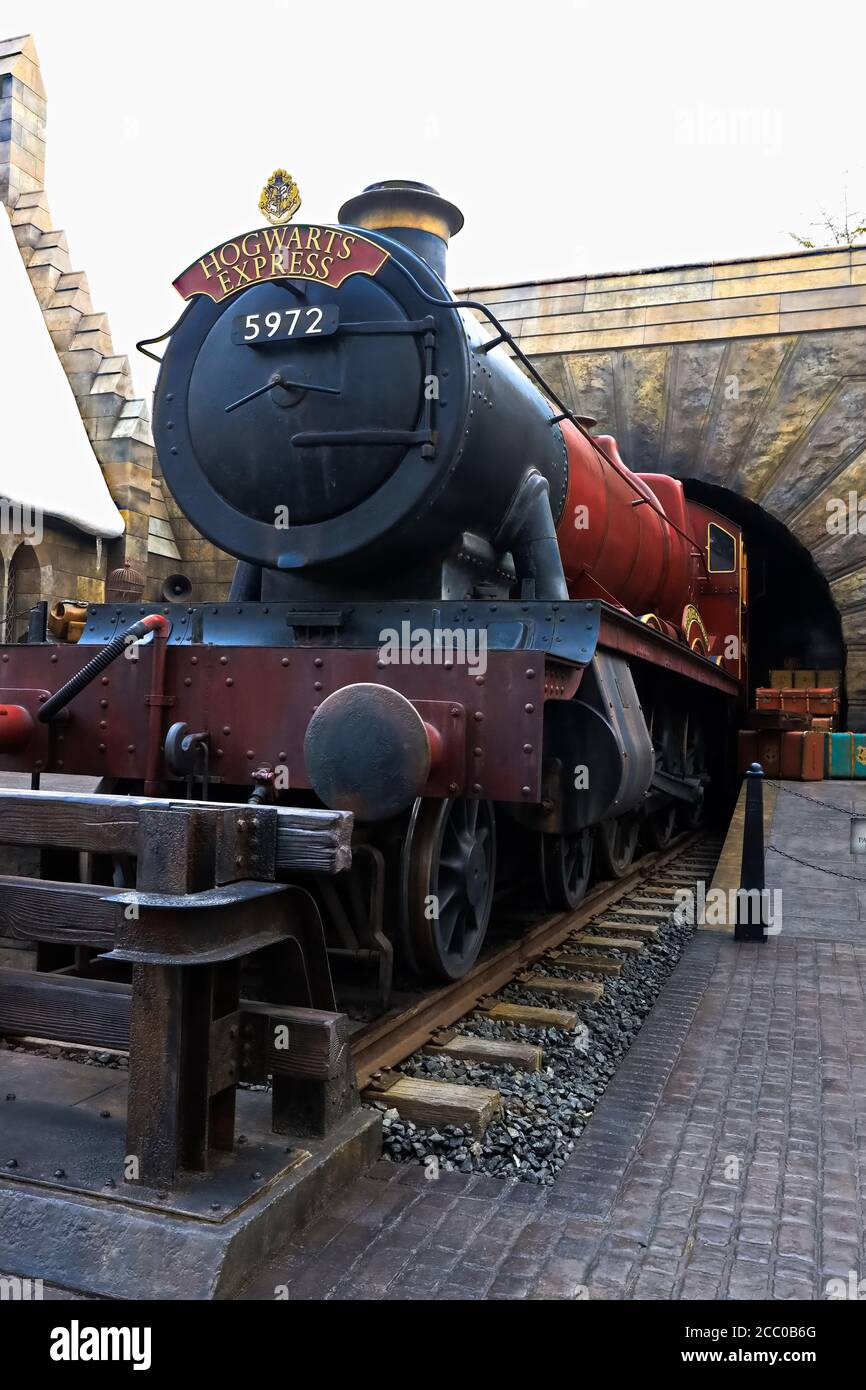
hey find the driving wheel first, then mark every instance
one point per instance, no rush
(565, 864)
(449, 868)
(615, 845)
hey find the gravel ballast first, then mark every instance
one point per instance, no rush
(544, 1112)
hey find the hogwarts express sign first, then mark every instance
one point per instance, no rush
(327, 254)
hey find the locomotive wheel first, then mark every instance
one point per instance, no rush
(616, 843)
(691, 817)
(449, 871)
(660, 827)
(695, 764)
(566, 861)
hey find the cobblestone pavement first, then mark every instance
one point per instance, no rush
(830, 901)
(725, 1161)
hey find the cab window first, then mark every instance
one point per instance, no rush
(722, 551)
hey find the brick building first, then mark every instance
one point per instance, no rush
(104, 506)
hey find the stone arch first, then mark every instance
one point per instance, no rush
(793, 613)
(778, 422)
(23, 590)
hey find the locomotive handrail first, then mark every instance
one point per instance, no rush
(372, 326)
(311, 439)
(143, 345)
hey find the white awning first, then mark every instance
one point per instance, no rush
(46, 460)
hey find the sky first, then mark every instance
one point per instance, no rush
(576, 136)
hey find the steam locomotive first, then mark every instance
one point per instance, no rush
(456, 613)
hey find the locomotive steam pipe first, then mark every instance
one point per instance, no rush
(110, 652)
(529, 532)
(155, 704)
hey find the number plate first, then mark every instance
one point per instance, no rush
(277, 325)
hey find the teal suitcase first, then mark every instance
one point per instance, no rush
(845, 755)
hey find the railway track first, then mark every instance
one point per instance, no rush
(519, 1003)
(392, 1037)
(513, 1010)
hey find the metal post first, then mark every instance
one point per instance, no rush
(37, 621)
(750, 926)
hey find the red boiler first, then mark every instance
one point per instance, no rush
(614, 534)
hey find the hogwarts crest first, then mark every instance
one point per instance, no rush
(280, 198)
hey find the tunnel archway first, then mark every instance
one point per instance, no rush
(792, 615)
(23, 590)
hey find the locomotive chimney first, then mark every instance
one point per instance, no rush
(412, 213)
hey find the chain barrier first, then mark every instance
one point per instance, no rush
(819, 869)
(812, 800)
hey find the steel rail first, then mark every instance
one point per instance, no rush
(396, 1035)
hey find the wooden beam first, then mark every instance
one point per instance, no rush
(599, 965)
(310, 1044)
(435, 1103)
(622, 943)
(65, 1009)
(549, 984)
(319, 845)
(37, 909)
(308, 840)
(95, 823)
(492, 1052)
(531, 1016)
(660, 914)
(95, 1013)
(642, 929)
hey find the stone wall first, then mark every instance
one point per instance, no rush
(157, 540)
(209, 569)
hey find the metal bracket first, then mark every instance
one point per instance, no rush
(223, 1045)
(246, 844)
(383, 1080)
(204, 928)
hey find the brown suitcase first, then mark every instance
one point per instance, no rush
(768, 744)
(795, 701)
(778, 719)
(824, 725)
(768, 698)
(823, 701)
(805, 680)
(813, 756)
(802, 757)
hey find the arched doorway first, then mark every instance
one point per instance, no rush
(792, 615)
(23, 590)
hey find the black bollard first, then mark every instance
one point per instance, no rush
(747, 928)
